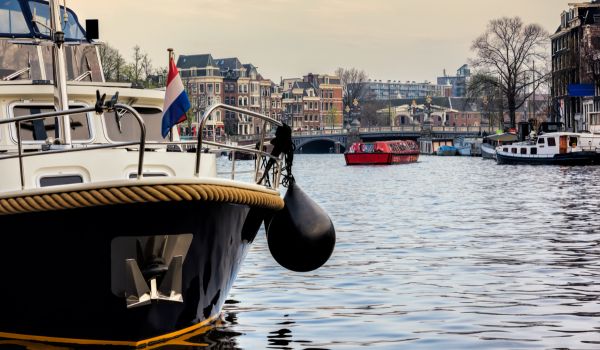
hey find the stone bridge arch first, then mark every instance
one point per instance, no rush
(320, 144)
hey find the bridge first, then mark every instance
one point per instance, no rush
(320, 141)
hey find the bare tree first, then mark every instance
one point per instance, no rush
(353, 83)
(515, 53)
(146, 68)
(112, 61)
(484, 89)
(136, 69)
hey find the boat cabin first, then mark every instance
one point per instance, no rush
(545, 145)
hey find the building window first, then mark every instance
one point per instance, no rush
(217, 88)
(201, 88)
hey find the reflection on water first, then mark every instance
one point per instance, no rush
(447, 253)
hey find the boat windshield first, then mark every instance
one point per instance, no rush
(12, 19)
(22, 18)
(41, 14)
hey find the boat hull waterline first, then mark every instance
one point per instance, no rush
(572, 158)
(380, 158)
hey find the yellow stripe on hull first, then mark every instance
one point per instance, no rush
(179, 337)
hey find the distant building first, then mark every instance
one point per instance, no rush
(203, 82)
(331, 105)
(458, 82)
(389, 90)
(576, 67)
(308, 103)
(460, 112)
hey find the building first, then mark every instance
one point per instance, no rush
(575, 67)
(390, 90)
(276, 102)
(313, 102)
(203, 83)
(461, 112)
(330, 93)
(457, 84)
(231, 69)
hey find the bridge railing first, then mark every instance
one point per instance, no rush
(393, 129)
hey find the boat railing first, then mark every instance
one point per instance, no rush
(261, 157)
(68, 148)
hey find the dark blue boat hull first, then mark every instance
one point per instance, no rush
(57, 268)
(573, 158)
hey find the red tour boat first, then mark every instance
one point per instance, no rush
(382, 152)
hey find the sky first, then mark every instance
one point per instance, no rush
(389, 39)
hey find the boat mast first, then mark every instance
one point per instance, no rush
(61, 100)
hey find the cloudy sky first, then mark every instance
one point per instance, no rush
(389, 39)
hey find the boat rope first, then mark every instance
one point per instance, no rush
(139, 194)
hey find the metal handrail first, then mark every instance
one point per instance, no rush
(19, 120)
(266, 119)
(259, 153)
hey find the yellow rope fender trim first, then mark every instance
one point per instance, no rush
(139, 194)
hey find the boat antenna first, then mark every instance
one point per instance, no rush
(66, 14)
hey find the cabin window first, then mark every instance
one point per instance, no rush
(42, 129)
(541, 140)
(523, 150)
(551, 141)
(533, 150)
(573, 141)
(48, 181)
(505, 149)
(129, 129)
(513, 150)
(134, 175)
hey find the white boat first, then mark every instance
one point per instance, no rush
(556, 148)
(488, 147)
(111, 234)
(488, 151)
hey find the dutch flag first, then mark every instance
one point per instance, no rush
(176, 100)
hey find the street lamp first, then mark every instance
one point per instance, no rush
(428, 106)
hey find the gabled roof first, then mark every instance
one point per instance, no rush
(195, 61)
(249, 66)
(231, 63)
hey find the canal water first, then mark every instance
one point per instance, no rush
(447, 253)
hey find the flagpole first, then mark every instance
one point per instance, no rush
(171, 55)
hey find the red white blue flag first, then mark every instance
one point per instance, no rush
(176, 100)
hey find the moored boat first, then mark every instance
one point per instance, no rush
(382, 153)
(114, 236)
(488, 147)
(555, 148)
(446, 151)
